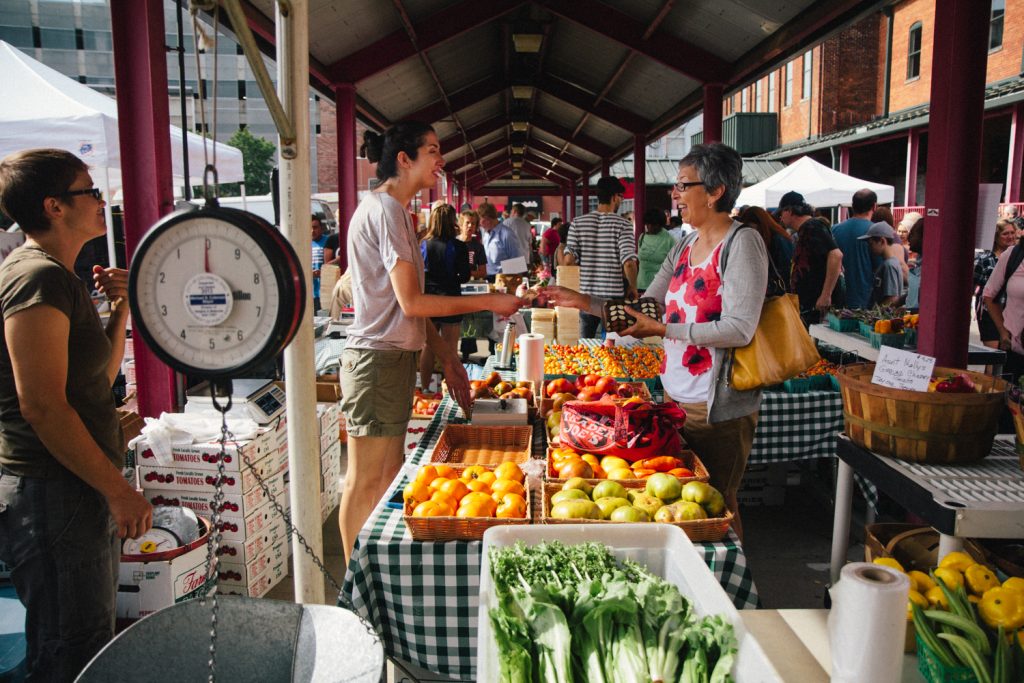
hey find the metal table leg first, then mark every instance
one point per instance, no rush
(841, 520)
(948, 544)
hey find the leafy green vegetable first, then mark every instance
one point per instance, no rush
(575, 614)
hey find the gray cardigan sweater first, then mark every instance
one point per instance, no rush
(744, 282)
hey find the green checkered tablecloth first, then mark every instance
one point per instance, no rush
(422, 597)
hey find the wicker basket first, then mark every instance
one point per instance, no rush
(469, 445)
(458, 528)
(689, 458)
(918, 426)
(711, 529)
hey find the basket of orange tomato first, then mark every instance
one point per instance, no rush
(460, 502)
(565, 463)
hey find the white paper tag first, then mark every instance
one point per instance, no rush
(512, 266)
(901, 369)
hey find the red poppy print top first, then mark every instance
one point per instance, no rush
(693, 296)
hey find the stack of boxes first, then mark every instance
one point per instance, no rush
(255, 544)
(330, 457)
(542, 321)
(568, 319)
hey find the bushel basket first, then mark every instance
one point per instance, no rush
(918, 426)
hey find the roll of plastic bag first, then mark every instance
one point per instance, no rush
(867, 624)
(531, 359)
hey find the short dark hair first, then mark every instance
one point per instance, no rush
(863, 200)
(802, 209)
(555, 222)
(608, 187)
(675, 221)
(28, 177)
(718, 165)
(518, 209)
(654, 217)
(383, 150)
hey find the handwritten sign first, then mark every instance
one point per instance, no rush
(513, 265)
(901, 369)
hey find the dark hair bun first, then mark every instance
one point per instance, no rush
(373, 145)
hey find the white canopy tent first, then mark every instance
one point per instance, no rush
(44, 108)
(819, 184)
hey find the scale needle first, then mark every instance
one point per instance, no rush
(206, 256)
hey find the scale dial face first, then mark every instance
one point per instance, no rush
(156, 540)
(215, 291)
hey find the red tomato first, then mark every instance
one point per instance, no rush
(588, 380)
(589, 394)
(607, 385)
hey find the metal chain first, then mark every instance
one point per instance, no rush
(214, 539)
(288, 522)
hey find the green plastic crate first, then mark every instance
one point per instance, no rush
(842, 324)
(879, 340)
(935, 671)
(864, 328)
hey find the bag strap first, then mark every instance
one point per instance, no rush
(1016, 258)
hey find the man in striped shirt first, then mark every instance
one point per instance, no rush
(602, 244)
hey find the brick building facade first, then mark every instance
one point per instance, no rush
(866, 107)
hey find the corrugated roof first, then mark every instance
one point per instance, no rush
(607, 70)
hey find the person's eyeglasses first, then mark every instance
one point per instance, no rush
(95, 192)
(683, 187)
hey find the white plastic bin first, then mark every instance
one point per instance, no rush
(663, 548)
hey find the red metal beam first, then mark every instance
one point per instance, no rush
(576, 96)
(538, 167)
(541, 190)
(466, 159)
(557, 152)
(492, 172)
(564, 166)
(432, 31)
(480, 130)
(595, 147)
(675, 53)
(140, 68)
(460, 100)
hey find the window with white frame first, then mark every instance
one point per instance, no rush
(787, 87)
(808, 67)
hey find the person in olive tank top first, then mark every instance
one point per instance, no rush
(64, 504)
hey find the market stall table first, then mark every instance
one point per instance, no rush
(855, 343)
(422, 597)
(983, 499)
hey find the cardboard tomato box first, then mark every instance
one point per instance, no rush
(145, 587)
(203, 455)
(202, 480)
(236, 572)
(237, 504)
(244, 552)
(259, 585)
(253, 524)
(331, 458)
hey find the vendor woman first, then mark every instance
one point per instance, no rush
(712, 284)
(379, 363)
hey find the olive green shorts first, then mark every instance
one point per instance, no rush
(376, 390)
(723, 447)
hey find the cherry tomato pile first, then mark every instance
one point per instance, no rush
(641, 362)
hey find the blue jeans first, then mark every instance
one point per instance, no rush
(60, 541)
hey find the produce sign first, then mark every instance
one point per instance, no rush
(964, 618)
(574, 613)
(566, 463)
(638, 361)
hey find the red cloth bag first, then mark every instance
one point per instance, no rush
(631, 431)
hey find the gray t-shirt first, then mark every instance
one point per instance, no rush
(888, 280)
(520, 227)
(380, 235)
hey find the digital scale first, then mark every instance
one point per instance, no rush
(469, 288)
(500, 411)
(260, 400)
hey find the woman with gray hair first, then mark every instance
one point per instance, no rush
(712, 284)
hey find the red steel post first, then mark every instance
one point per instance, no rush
(639, 184)
(345, 112)
(140, 71)
(954, 162)
(712, 112)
